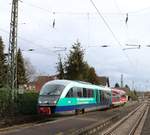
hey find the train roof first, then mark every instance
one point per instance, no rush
(79, 84)
(61, 82)
(119, 91)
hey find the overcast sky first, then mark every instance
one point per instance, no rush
(79, 20)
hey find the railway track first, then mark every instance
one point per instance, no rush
(100, 126)
(129, 125)
(89, 123)
(146, 124)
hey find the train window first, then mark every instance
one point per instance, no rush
(107, 95)
(52, 90)
(113, 94)
(90, 93)
(79, 92)
(75, 92)
(102, 96)
(123, 96)
(70, 93)
(85, 92)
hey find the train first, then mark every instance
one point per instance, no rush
(74, 96)
(119, 97)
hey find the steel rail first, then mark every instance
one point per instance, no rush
(138, 121)
(109, 131)
(97, 127)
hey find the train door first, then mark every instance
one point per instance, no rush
(97, 96)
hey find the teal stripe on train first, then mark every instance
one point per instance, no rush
(75, 101)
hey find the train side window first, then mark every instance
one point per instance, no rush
(107, 95)
(75, 92)
(85, 92)
(90, 93)
(102, 96)
(79, 92)
(70, 93)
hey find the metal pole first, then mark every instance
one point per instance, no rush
(12, 50)
(121, 81)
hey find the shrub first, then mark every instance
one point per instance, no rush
(132, 95)
(27, 103)
(24, 104)
(5, 101)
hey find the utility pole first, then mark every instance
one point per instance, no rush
(121, 81)
(133, 85)
(12, 50)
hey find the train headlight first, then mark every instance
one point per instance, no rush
(40, 102)
(55, 102)
(47, 102)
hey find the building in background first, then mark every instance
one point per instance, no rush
(104, 81)
(41, 80)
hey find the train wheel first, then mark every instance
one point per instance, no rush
(77, 111)
(83, 111)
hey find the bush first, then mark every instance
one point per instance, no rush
(27, 103)
(24, 104)
(5, 101)
(132, 95)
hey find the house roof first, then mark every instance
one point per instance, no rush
(104, 80)
(43, 78)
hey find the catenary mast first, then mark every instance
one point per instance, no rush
(12, 50)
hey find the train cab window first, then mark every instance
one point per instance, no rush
(52, 90)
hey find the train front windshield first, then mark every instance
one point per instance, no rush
(50, 94)
(52, 90)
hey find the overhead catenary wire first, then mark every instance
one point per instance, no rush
(62, 47)
(35, 44)
(48, 11)
(83, 13)
(35, 6)
(106, 23)
(116, 5)
(109, 28)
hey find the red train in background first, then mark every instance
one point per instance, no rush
(119, 97)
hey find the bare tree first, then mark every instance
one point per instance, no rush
(30, 70)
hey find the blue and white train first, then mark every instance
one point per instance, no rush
(65, 95)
